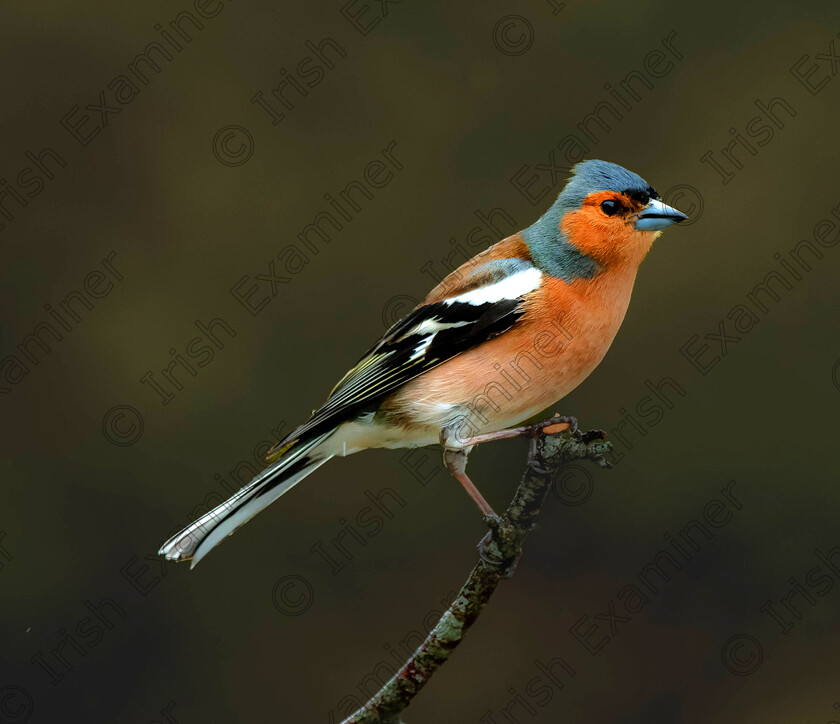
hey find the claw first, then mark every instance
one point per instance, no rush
(484, 549)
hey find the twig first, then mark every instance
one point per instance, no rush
(499, 552)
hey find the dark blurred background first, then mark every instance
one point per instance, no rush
(188, 176)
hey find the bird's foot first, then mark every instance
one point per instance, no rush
(488, 551)
(493, 521)
(489, 546)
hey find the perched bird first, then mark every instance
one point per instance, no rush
(504, 336)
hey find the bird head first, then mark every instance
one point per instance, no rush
(606, 216)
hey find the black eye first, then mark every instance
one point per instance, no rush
(610, 207)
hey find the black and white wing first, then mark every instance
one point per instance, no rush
(489, 303)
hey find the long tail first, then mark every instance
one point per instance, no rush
(200, 537)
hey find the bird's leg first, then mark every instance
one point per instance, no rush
(456, 464)
(552, 426)
(455, 460)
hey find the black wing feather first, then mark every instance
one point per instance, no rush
(394, 359)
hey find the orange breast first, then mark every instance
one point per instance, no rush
(565, 332)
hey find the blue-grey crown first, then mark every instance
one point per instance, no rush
(591, 176)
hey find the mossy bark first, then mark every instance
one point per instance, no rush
(499, 552)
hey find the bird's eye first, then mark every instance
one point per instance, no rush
(610, 207)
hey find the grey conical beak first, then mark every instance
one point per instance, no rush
(657, 216)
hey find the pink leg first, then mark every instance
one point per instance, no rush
(456, 464)
(455, 458)
(552, 426)
(475, 494)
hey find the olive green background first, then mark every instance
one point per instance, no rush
(81, 514)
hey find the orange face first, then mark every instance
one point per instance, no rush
(604, 228)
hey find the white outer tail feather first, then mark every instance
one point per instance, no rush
(204, 534)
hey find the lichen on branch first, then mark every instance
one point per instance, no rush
(499, 552)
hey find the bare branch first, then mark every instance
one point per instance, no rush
(499, 552)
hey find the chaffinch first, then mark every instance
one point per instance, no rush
(507, 334)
